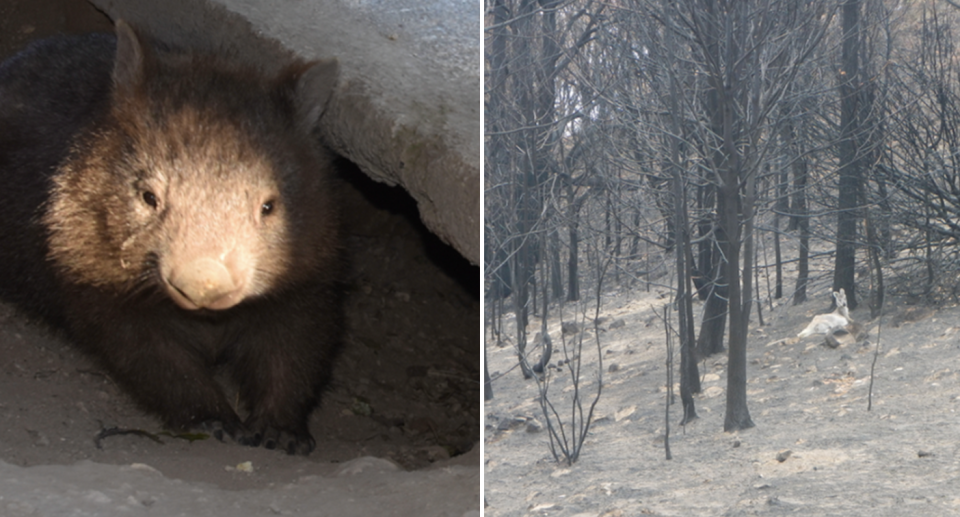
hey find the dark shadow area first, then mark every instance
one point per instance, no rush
(396, 201)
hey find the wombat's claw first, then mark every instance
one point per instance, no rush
(272, 437)
(219, 430)
(250, 440)
(218, 433)
(294, 444)
(302, 445)
(288, 442)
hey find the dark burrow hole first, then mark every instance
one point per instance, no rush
(414, 319)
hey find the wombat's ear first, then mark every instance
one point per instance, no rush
(311, 86)
(130, 61)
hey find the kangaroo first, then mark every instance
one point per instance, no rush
(837, 326)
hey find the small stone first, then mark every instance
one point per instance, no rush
(361, 407)
(534, 426)
(613, 368)
(365, 464)
(783, 455)
(569, 327)
(510, 423)
(144, 467)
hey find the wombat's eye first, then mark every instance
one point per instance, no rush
(150, 198)
(266, 208)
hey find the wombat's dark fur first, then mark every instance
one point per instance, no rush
(171, 213)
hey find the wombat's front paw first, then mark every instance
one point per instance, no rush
(272, 437)
(219, 428)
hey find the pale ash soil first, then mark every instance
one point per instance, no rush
(900, 458)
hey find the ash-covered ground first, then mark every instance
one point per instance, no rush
(816, 449)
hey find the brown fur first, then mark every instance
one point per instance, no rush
(190, 222)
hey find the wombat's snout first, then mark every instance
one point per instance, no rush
(204, 283)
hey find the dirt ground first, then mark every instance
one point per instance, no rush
(815, 450)
(406, 388)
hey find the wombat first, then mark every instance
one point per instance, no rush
(171, 213)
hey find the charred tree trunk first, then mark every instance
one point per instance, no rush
(720, 113)
(782, 203)
(556, 271)
(803, 262)
(487, 383)
(618, 232)
(706, 248)
(736, 416)
(573, 272)
(876, 251)
(800, 215)
(541, 365)
(689, 375)
(521, 284)
(714, 324)
(850, 153)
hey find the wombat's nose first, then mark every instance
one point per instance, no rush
(204, 283)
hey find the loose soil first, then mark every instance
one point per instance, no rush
(405, 390)
(815, 450)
